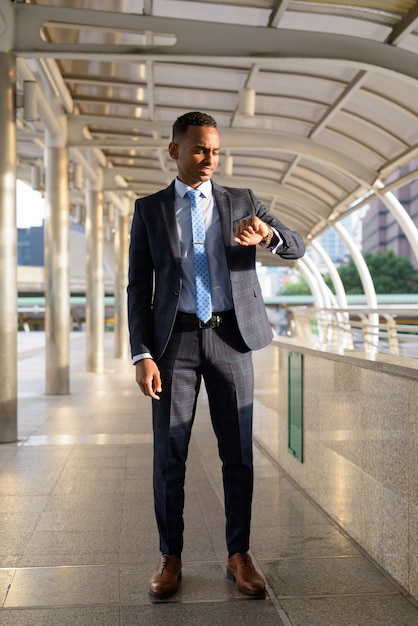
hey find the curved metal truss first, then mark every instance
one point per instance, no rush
(316, 102)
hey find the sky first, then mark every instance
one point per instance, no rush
(30, 206)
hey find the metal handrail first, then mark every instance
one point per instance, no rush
(353, 329)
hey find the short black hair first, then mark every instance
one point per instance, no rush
(193, 118)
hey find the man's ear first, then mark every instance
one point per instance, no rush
(173, 150)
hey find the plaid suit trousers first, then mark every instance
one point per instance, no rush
(221, 358)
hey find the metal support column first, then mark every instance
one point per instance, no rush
(8, 252)
(312, 281)
(121, 279)
(344, 329)
(409, 228)
(57, 272)
(372, 332)
(334, 275)
(95, 279)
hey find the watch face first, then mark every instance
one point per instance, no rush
(265, 242)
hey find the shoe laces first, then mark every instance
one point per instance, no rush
(166, 561)
(245, 559)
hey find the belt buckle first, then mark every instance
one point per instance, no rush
(217, 320)
(213, 322)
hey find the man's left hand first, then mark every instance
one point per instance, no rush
(250, 231)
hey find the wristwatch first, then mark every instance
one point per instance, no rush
(266, 241)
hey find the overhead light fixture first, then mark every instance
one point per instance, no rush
(78, 176)
(35, 175)
(246, 102)
(110, 212)
(228, 165)
(107, 231)
(30, 112)
(77, 212)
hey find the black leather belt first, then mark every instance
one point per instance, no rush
(217, 319)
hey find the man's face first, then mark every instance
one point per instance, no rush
(196, 154)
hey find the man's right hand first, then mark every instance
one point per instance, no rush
(148, 378)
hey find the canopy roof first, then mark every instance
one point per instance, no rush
(335, 89)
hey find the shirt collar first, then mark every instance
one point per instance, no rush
(204, 188)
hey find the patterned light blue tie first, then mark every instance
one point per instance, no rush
(201, 267)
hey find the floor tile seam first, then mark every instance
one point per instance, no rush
(66, 567)
(54, 607)
(8, 588)
(273, 597)
(74, 337)
(44, 509)
(29, 353)
(198, 601)
(116, 564)
(313, 557)
(123, 604)
(365, 594)
(30, 441)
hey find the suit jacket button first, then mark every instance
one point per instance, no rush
(290, 244)
(176, 293)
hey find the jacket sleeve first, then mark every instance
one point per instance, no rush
(140, 287)
(293, 246)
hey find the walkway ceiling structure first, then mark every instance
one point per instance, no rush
(316, 102)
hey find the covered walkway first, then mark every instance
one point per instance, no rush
(317, 107)
(316, 103)
(78, 539)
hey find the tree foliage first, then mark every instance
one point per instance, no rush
(390, 273)
(298, 288)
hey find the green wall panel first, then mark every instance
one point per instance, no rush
(295, 406)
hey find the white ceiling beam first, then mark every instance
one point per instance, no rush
(249, 140)
(48, 113)
(405, 27)
(308, 203)
(194, 41)
(336, 107)
(279, 9)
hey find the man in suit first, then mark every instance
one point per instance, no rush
(173, 349)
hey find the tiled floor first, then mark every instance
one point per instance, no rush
(77, 532)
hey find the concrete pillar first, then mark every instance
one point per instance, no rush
(95, 310)
(57, 270)
(121, 347)
(8, 251)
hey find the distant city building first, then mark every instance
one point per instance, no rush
(30, 254)
(30, 246)
(380, 229)
(334, 246)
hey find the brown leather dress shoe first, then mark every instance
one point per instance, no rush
(240, 569)
(164, 581)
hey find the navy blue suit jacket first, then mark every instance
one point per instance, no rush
(155, 276)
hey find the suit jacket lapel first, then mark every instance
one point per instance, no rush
(225, 213)
(223, 203)
(168, 210)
